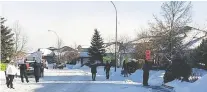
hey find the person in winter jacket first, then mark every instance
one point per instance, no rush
(107, 69)
(10, 72)
(36, 71)
(146, 69)
(7, 78)
(93, 71)
(125, 68)
(23, 69)
(42, 69)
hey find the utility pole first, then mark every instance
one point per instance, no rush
(58, 47)
(115, 37)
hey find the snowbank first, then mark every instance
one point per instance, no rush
(77, 66)
(69, 66)
(198, 86)
(50, 66)
(155, 77)
(199, 72)
(84, 67)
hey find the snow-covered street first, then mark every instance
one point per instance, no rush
(79, 80)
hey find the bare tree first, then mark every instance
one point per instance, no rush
(20, 40)
(59, 45)
(123, 47)
(110, 47)
(168, 31)
(144, 43)
(70, 55)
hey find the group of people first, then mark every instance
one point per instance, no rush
(146, 70)
(94, 70)
(11, 71)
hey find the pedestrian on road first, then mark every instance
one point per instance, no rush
(7, 78)
(54, 65)
(10, 72)
(23, 69)
(42, 69)
(146, 69)
(93, 71)
(125, 68)
(36, 71)
(107, 69)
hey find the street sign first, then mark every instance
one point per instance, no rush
(147, 54)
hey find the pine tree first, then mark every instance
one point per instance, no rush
(200, 53)
(7, 41)
(96, 50)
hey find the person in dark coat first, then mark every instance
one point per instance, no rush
(7, 79)
(36, 71)
(93, 71)
(42, 70)
(107, 69)
(146, 69)
(23, 73)
(125, 68)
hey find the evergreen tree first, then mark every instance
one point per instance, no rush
(7, 41)
(200, 53)
(96, 50)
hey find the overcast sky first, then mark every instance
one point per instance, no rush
(75, 22)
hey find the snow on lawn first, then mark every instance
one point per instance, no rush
(198, 86)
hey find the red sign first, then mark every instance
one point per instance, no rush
(147, 54)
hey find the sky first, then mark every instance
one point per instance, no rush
(75, 21)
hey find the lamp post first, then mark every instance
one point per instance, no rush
(115, 36)
(58, 41)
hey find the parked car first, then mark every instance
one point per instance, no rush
(30, 69)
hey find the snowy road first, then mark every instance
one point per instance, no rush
(79, 80)
(64, 81)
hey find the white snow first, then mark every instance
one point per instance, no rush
(198, 86)
(76, 66)
(78, 79)
(45, 51)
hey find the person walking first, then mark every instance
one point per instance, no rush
(93, 71)
(107, 69)
(36, 71)
(23, 69)
(146, 69)
(7, 78)
(125, 68)
(42, 69)
(10, 72)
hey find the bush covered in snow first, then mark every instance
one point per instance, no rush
(179, 69)
(132, 66)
